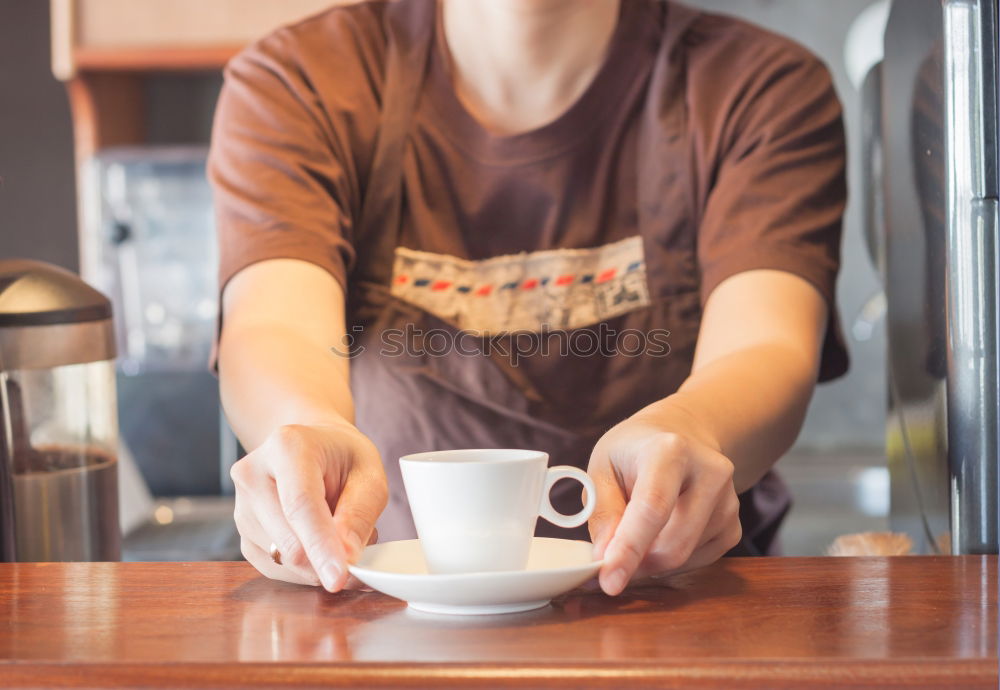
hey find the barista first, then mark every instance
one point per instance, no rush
(415, 197)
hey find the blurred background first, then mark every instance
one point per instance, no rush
(146, 240)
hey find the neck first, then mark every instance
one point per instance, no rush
(518, 64)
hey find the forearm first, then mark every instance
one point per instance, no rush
(270, 376)
(749, 405)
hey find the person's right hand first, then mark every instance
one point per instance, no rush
(315, 492)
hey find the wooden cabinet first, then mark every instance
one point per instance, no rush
(103, 49)
(107, 52)
(162, 34)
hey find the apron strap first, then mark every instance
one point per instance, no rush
(661, 160)
(409, 26)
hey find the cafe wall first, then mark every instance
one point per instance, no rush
(37, 212)
(37, 208)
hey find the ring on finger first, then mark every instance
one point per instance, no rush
(274, 553)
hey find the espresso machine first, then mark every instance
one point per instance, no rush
(58, 418)
(930, 158)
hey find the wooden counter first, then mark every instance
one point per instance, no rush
(774, 623)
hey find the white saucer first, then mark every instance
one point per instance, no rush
(554, 566)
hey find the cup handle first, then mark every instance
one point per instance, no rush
(546, 510)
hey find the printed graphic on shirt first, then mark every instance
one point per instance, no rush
(531, 291)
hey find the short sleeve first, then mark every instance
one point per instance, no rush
(280, 187)
(779, 191)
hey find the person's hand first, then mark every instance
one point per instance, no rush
(665, 502)
(315, 492)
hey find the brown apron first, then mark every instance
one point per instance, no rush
(414, 401)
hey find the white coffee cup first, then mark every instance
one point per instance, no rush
(475, 510)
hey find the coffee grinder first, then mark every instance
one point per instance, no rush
(58, 418)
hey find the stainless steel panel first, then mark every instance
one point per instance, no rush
(912, 189)
(970, 79)
(873, 217)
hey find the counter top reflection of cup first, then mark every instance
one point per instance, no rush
(475, 510)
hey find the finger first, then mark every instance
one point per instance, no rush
(666, 556)
(302, 495)
(355, 583)
(361, 501)
(651, 504)
(707, 553)
(683, 532)
(709, 491)
(725, 519)
(609, 506)
(259, 519)
(252, 484)
(310, 518)
(261, 560)
(712, 550)
(723, 524)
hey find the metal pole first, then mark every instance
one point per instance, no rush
(971, 274)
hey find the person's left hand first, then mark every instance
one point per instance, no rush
(665, 501)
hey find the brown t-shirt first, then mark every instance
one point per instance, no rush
(544, 285)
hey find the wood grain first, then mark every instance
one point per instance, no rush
(833, 622)
(108, 110)
(158, 59)
(151, 23)
(153, 35)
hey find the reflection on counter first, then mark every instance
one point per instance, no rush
(882, 612)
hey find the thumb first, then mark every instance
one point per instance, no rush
(608, 510)
(361, 501)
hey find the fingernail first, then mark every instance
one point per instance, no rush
(617, 581)
(601, 545)
(329, 574)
